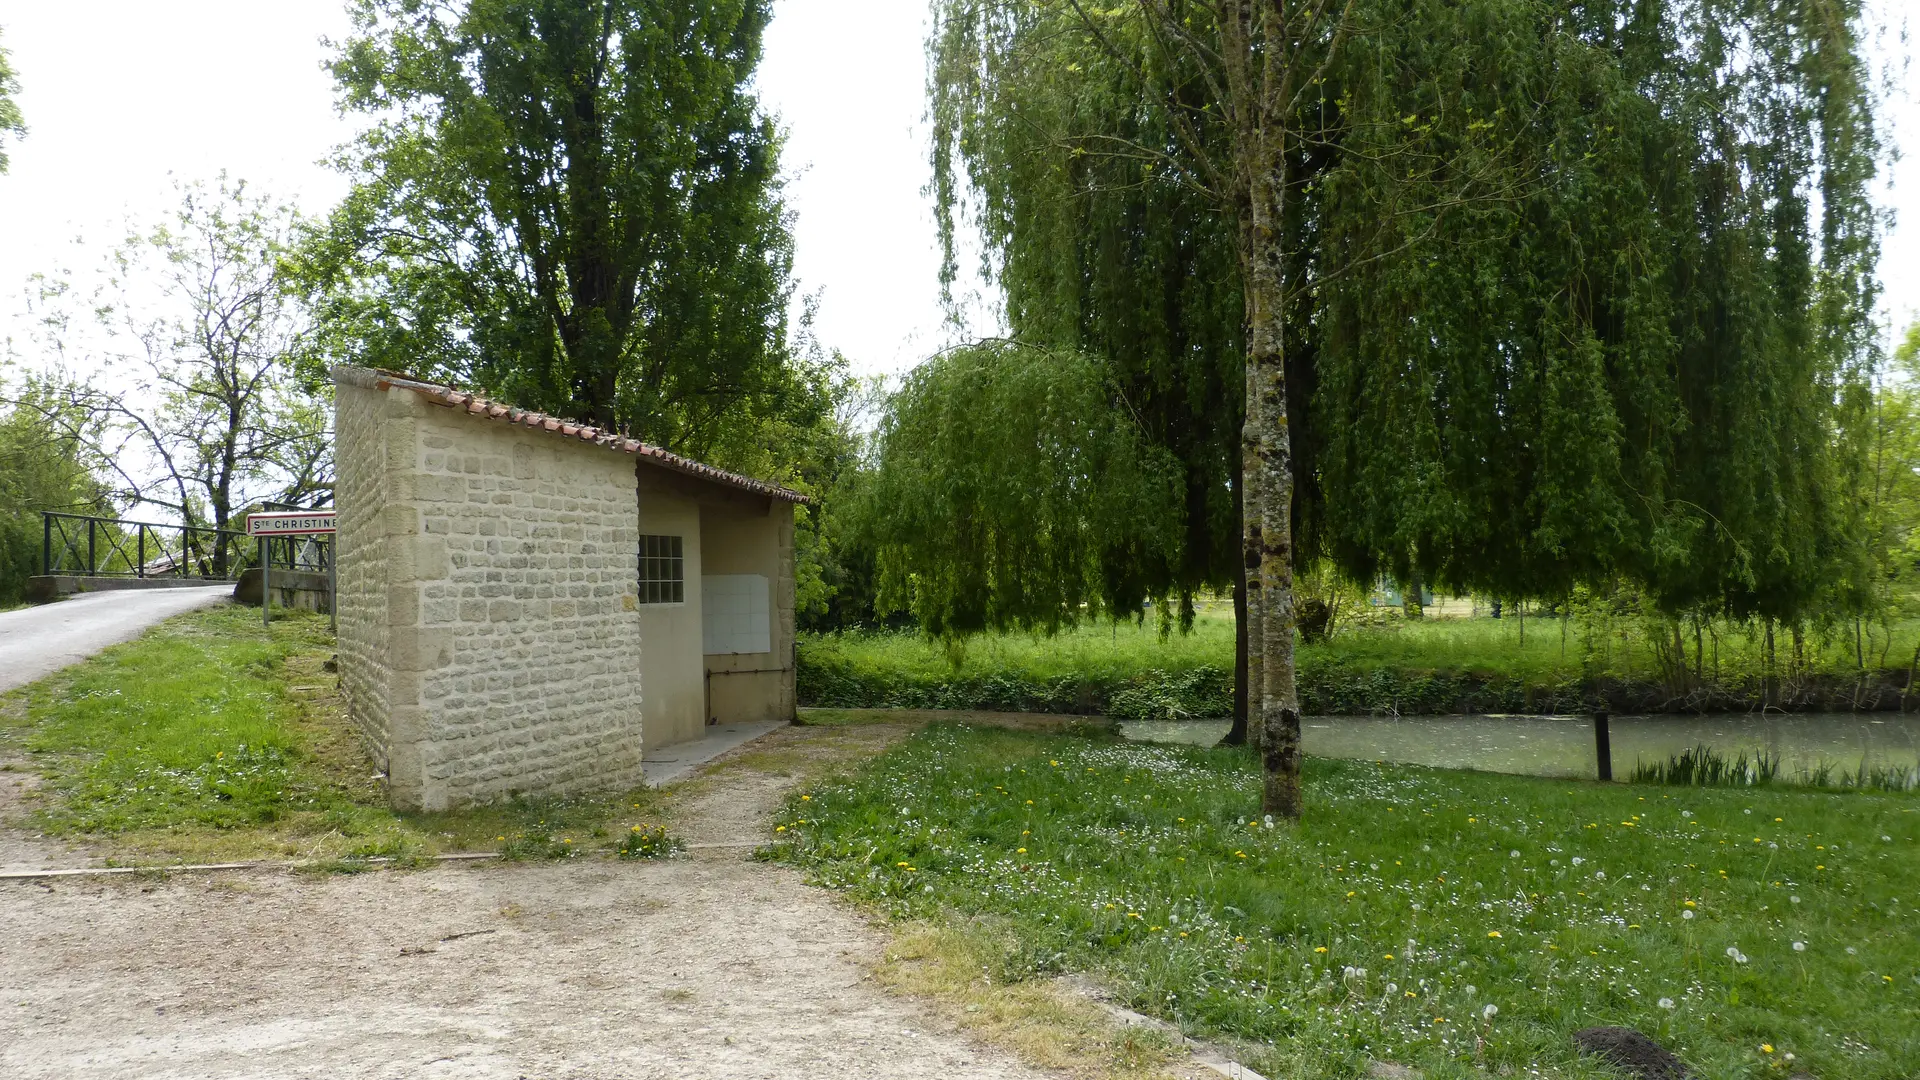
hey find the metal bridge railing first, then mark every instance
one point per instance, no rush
(83, 546)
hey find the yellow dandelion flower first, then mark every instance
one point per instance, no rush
(1320, 949)
(1493, 933)
(1021, 851)
(1766, 1048)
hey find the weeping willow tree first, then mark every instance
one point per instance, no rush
(1524, 294)
(1056, 509)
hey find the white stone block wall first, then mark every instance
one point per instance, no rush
(487, 579)
(362, 426)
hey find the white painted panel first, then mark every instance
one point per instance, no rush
(736, 614)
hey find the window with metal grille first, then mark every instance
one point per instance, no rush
(663, 573)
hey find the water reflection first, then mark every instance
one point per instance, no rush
(1563, 745)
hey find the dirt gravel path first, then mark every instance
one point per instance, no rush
(711, 965)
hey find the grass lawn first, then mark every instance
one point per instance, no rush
(210, 739)
(1447, 920)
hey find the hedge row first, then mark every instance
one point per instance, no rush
(1207, 692)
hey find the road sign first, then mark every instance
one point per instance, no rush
(291, 523)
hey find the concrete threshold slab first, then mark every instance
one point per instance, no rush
(672, 764)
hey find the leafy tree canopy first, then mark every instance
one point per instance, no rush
(978, 526)
(192, 337)
(46, 470)
(1574, 290)
(571, 203)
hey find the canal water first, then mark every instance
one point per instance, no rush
(1563, 745)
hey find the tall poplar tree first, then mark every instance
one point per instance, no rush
(573, 204)
(1543, 280)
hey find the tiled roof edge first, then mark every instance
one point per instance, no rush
(439, 394)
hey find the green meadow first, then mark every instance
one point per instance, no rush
(1451, 921)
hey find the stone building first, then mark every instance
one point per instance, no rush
(526, 603)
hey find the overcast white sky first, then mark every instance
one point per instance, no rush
(121, 94)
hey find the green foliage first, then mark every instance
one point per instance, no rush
(1460, 923)
(1703, 766)
(1680, 328)
(209, 739)
(649, 842)
(45, 470)
(1012, 491)
(1574, 290)
(12, 124)
(572, 205)
(1893, 469)
(203, 331)
(144, 738)
(1429, 666)
(1098, 243)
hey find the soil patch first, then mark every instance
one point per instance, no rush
(1629, 1050)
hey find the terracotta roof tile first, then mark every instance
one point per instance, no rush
(480, 406)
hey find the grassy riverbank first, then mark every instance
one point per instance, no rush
(1391, 666)
(209, 739)
(1448, 920)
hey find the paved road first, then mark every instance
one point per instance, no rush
(38, 641)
